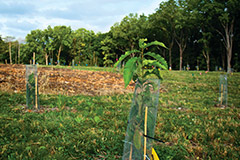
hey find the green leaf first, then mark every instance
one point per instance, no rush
(148, 62)
(154, 63)
(154, 72)
(157, 57)
(141, 43)
(125, 55)
(155, 43)
(129, 69)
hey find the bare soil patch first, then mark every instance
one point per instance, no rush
(64, 81)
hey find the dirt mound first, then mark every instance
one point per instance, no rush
(64, 81)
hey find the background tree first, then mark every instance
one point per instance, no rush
(62, 38)
(129, 31)
(206, 33)
(224, 13)
(20, 42)
(83, 49)
(205, 30)
(108, 51)
(47, 43)
(184, 20)
(9, 40)
(3, 50)
(163, 21)
(35, 44)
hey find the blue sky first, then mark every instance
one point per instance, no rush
(19, 17)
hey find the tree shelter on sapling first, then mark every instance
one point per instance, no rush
(223, 93)
(140, 67)
(32, 93)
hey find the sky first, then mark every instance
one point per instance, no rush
(19, 17)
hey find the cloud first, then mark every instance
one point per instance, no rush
(18, 18)
(15, 8)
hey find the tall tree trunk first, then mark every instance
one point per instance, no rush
(18, 53)
(206, 55)
(94, 58)
(223, 61)
(228, 41)
(181, 53)
(229, 57)
(58, 55)
(182, 45)
(170, 57)
(10, 52)
(15, 57)
(46, 58)
(208, 62)
(170, 53)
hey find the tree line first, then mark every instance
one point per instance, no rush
(203, 33)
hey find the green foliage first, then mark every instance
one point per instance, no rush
(127, 54)
(85, 44)
(3, 50)
(144, 45)
(129, 31)
(129, 70)
(138, 67)
(107, 51)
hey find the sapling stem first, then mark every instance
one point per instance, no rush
(142, 63)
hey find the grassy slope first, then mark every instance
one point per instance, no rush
(94, 127)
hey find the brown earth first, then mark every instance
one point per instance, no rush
(64, 81)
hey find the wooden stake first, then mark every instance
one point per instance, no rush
(221, 93)
(36, 98)
(145, 132)
(130, 155)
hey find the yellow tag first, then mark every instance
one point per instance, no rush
(154, 155)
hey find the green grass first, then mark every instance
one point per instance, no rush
(87, 127)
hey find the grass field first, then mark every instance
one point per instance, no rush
(190, 123)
